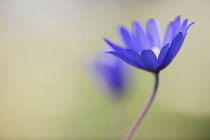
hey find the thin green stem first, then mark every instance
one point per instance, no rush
(145, 110)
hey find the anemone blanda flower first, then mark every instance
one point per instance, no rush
(113, 73)
(144, 48)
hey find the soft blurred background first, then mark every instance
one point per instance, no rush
(47, 91)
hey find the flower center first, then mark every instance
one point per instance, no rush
(156, 51)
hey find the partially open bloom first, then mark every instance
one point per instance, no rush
(111, 72)
(144, 48)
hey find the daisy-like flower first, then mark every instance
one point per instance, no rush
(144, 48)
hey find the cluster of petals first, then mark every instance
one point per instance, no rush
(145, 48)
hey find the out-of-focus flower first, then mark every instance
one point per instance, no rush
(111, 71)
(145, 48)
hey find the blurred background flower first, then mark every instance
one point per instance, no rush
(113, 75)
(45, 93)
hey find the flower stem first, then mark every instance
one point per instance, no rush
(145, 110)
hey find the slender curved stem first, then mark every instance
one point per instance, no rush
(145, 110)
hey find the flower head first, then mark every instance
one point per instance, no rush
(112, 73)
(144, 48)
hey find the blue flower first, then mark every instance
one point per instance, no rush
(111, 72)
(145, 49)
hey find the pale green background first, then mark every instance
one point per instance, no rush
(46, 89)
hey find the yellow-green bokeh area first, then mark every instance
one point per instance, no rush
(47, 90)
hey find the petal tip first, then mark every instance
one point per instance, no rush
(121, 28)
(105, 39)
(152, 20)
(178, 18)
(191, 23)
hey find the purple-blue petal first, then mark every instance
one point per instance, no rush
(153, 33)
(173, 50)
(183, 26)
(126, 37)
(149, 60)
(140, 37)
(136, 57)
(162, 54)
(116, 48)
(124, 58)
(172, 30)
(176, 26)
(168, 34)
(189, 26)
